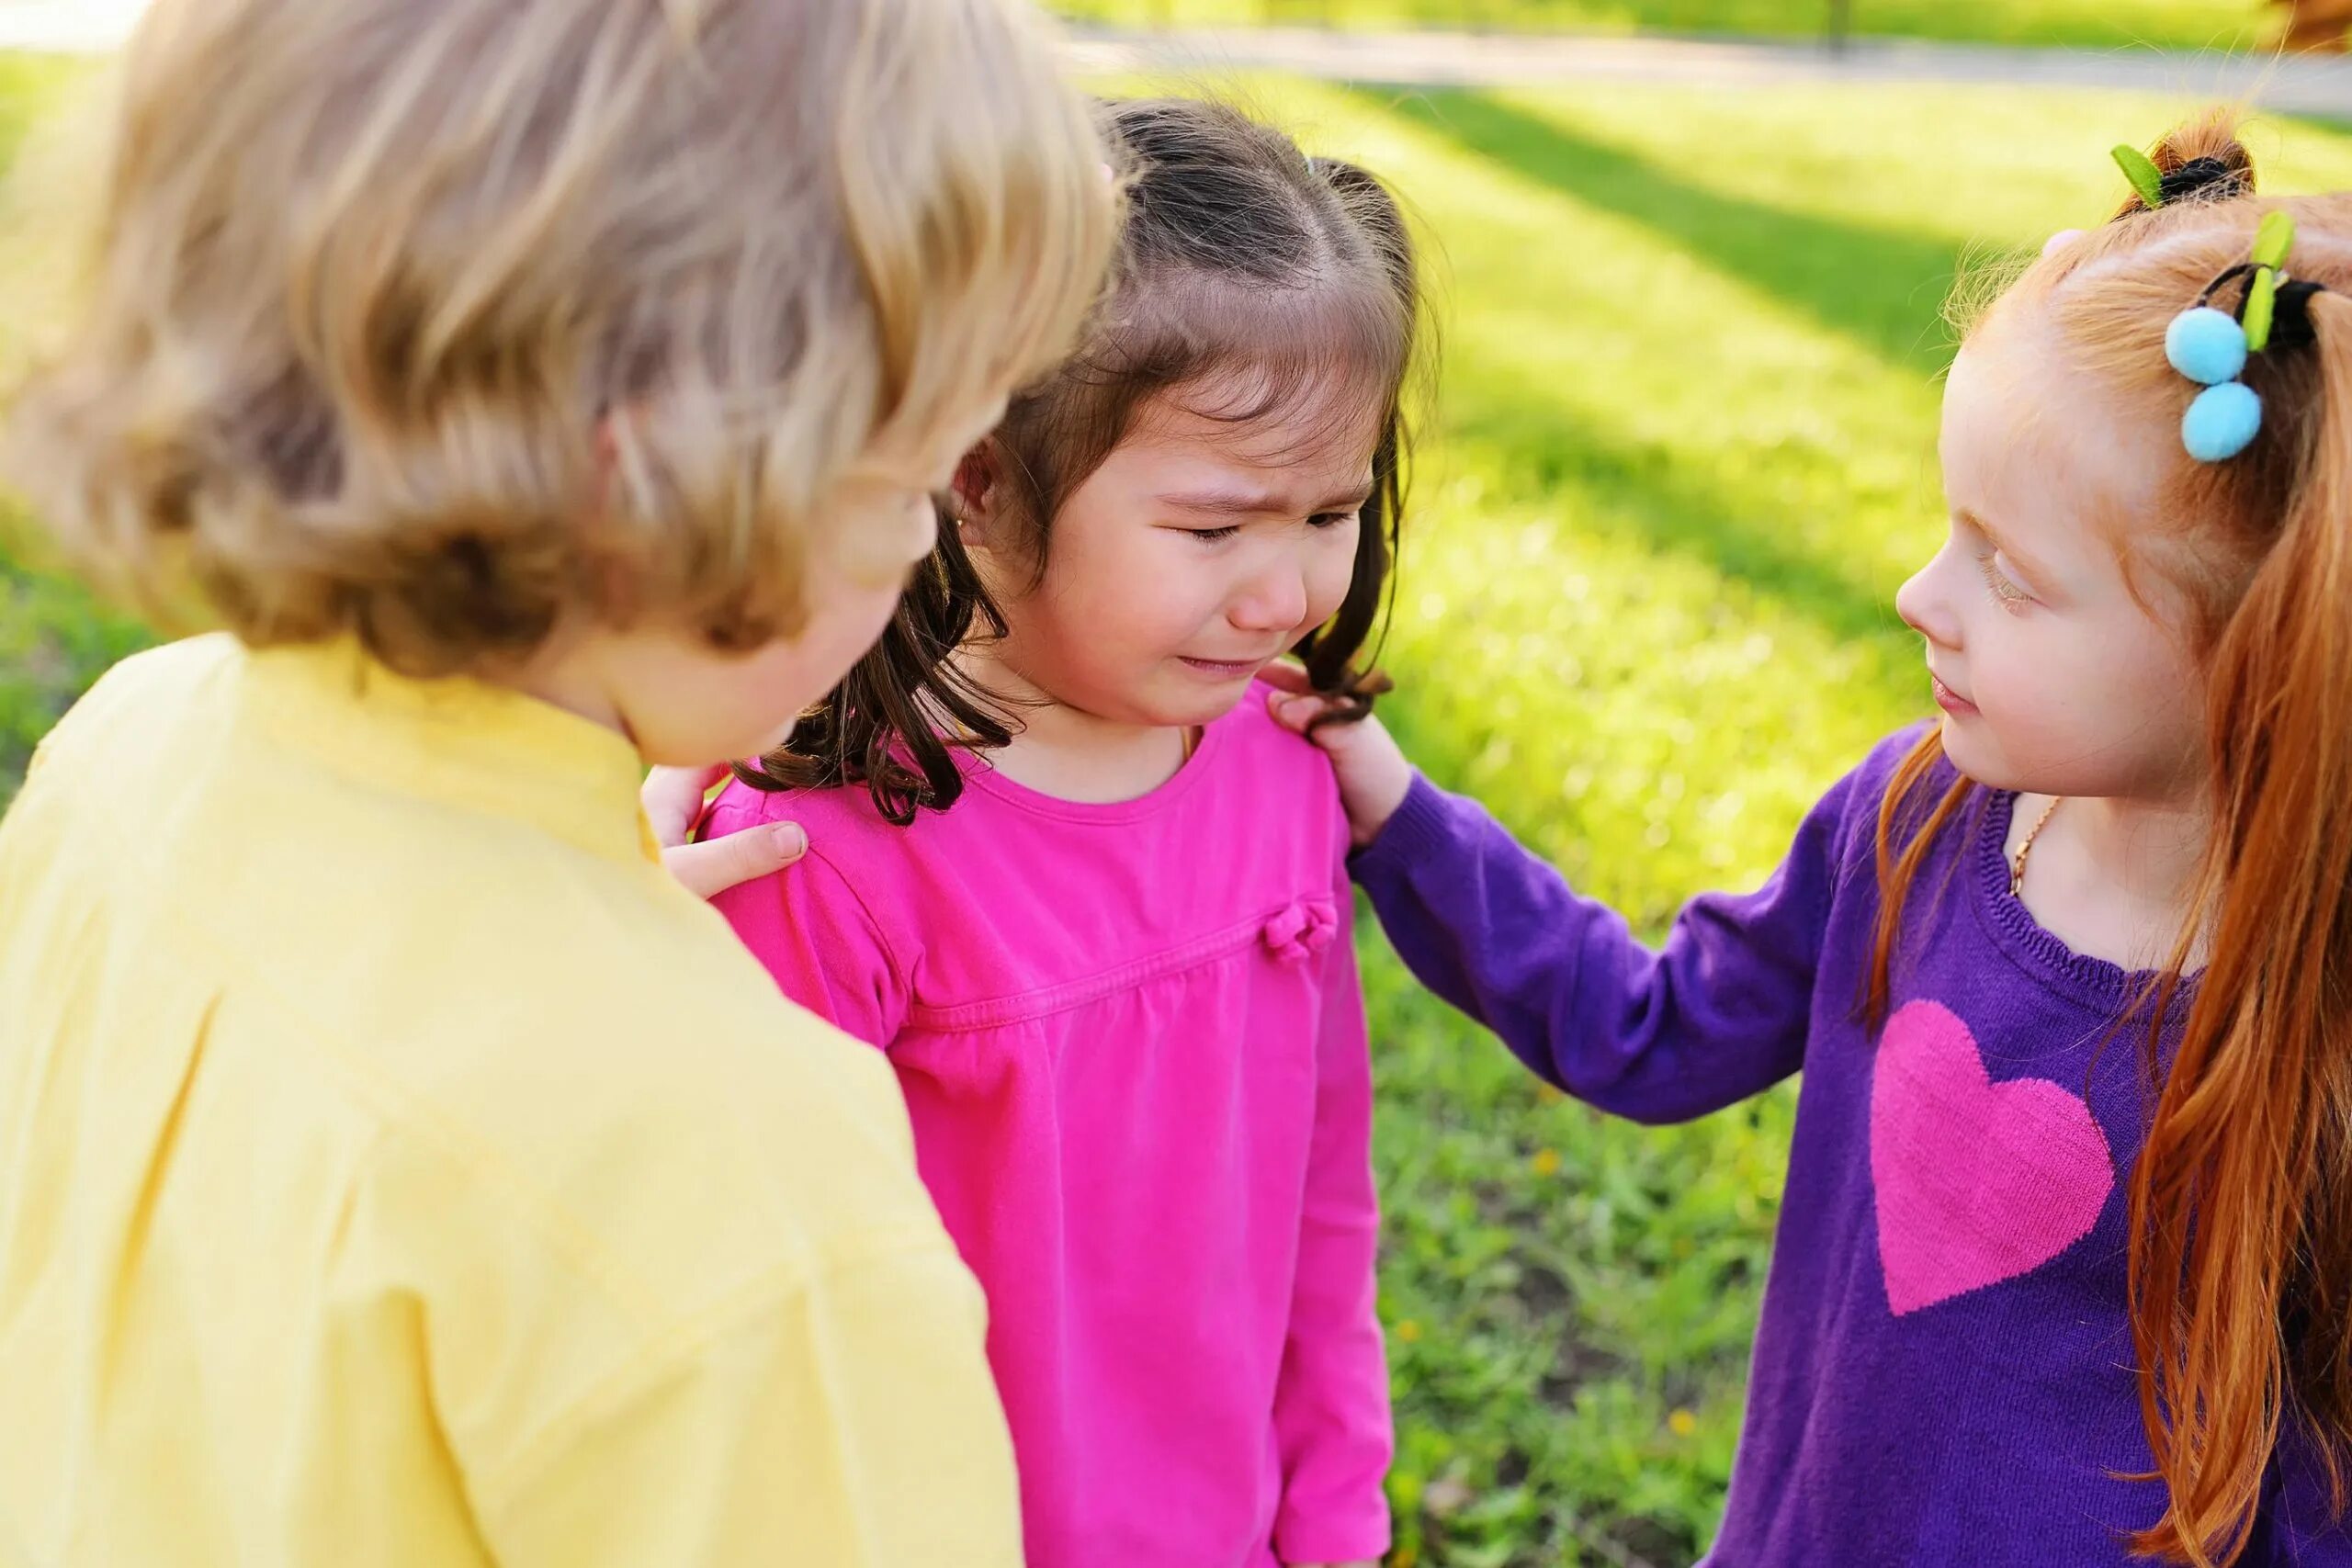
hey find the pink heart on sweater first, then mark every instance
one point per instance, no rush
(1977, 1183)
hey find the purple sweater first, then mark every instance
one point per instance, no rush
(1943, 1368)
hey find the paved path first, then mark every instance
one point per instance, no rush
(2301, 84)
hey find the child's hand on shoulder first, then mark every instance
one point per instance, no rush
(1374, 776)
(673, 797)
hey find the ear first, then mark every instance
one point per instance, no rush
(980, 497)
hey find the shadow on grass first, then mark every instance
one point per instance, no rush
(1660, 500)
(1881, 288)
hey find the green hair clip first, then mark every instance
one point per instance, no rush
(2210, 347)
(2145, 178)
(2272, 240)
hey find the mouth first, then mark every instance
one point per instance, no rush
(1224, 668)
(1951, 702)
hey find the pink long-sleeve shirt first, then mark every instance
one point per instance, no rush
(1132, 1044)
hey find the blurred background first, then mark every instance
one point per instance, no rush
(2096, 24)
(1683, 453)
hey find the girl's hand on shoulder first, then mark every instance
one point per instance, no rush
(1374, 776)
(673, 799)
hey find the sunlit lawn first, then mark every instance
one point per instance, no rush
(1685, 454)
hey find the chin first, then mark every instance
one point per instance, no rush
(775, 737)
(706, 750)
(1982, 760)
(1192, 709)
(1962, 752)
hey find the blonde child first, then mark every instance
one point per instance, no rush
(2063, 1261)
(1090, 899)
(396, 1167)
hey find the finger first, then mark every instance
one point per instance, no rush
(672, 798)
(711, 868)
(1296, 714)
(1285, 675)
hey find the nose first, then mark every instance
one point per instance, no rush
(1926, 608)
(1274, 599)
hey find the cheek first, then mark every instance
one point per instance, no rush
(2041, 677)
(2142, 680)
(914, 531)
(2116, 706)
(790, 676)
(891, 528)
(2165, 687)
(838, 635)
(1128, 586)
(1333, 574)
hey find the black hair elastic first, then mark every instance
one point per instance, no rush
(2290, 324)
(2204, 179)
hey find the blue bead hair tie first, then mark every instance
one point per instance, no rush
(2211, 346)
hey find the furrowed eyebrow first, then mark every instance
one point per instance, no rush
(1255, 502)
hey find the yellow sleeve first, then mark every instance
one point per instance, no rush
(120, 694)
(849, 1420)
(44, 750)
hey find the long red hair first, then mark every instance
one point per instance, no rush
(2241, 1201)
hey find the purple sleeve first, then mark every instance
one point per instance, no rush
(1718, 1013)
(1331, 1414)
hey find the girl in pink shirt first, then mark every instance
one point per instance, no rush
(1069, 874)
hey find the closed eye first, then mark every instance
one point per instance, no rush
(1318, 521)
(2008, 594)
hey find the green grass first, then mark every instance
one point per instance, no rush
(1685, 455)
(2095, 24)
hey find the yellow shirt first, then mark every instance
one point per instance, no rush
(397, 1167)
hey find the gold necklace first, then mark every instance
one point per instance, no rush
(2016, 867)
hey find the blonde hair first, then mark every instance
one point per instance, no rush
(436, 322)
(2241, 1200)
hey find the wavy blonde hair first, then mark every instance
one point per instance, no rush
(439, 321)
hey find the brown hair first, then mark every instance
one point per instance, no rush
(2241, 1202)
(436, 321)
(1240, 255)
